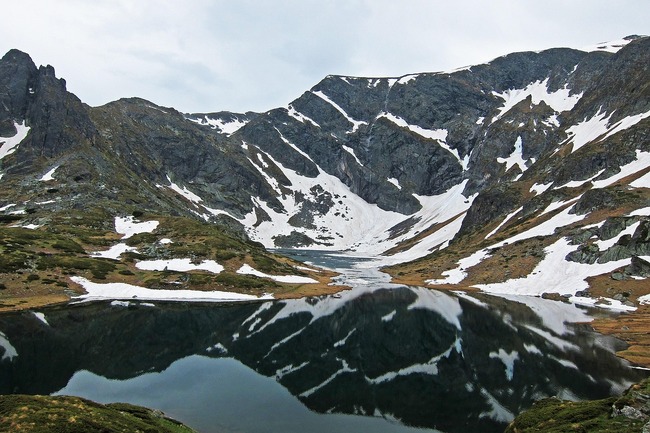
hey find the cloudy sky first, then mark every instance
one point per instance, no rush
(240, 55)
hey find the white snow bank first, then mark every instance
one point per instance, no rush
(641, 162)
(224, 127)
(115, 251)
(98, 291)
(610, 47)
(49, 175)
(295, 279)
(179, 265)
(588, 130)
(560, 100)
(8, 144)
(554, 274)
(515, 158)
(128, 227)
(598, 125)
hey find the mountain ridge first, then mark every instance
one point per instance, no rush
(432, 167)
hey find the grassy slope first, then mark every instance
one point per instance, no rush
(552, 415)
(36, 265)
(45, 414)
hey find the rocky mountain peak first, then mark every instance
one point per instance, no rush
(431, 165)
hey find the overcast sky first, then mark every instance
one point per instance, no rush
(239, 55)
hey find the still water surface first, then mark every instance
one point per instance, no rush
(378, 358)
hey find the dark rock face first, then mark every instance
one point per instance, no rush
(387, 140)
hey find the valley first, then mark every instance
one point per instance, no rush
(493, 214)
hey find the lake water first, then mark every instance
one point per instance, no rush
(377, 358)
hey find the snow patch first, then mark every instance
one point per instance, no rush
(394, 182)
(588, 130)
(115, 251)
(610, 47)
(225, 127)
(179, 265)
(351, 152)
(8, 145)
(49, 175)
(515, 158)
(539, 188)
(292, 279)
(291, 111)
(560, 100)
(128, 227)
(97, 291)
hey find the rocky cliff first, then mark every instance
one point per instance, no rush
(503, 165)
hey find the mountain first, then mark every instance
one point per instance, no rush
(495, 175)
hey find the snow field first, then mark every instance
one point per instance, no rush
(8, 145)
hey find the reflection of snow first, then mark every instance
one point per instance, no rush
(10, 351)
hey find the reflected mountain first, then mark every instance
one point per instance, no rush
(428, 359)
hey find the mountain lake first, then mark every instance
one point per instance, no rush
(380, 357)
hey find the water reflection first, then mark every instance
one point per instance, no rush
(422, 358)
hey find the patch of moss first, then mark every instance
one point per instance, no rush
(46, 414)
(553, 415)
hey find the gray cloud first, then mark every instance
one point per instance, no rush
(202, 55)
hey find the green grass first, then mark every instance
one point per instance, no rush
(63, 414)
(553, 415)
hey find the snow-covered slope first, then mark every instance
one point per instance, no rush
(454, 169)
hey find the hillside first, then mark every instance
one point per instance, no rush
(527, 174)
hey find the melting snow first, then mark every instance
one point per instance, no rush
(588, 130)
(604, 245)
(505, 220)
(179, 265)
(128, 227)
(355, 123)
(295, 279)
(610, 47)
(554, 274)
(539, 188)
(351, 152)
(49, 175)
(98, 291)
(641, 162)
(8, 144)
(439, 135)
(300, 117)
(115, 251)
(515, 158)
(227, 128)
(184, 192)
(394, 182)
(560, 100)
